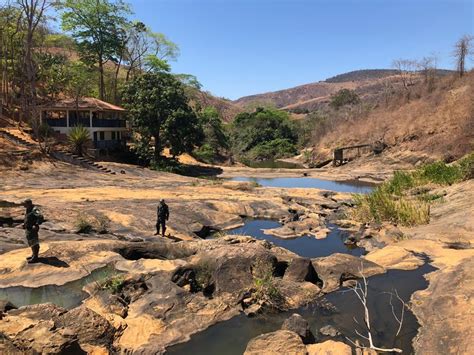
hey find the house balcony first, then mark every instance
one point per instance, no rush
(108, 144)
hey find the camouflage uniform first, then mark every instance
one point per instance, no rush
(163, 215)
(31, 224)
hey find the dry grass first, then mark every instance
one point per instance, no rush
(438, 123)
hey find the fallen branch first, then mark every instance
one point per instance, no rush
(361, 292)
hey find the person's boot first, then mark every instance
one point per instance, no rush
(164, 230)
(34, 259)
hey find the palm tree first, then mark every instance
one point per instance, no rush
(78, 138)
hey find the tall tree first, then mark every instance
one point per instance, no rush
(144, 49)
(98, 27)
(462, 48)
(214, 134)
(79, 81)
(33, 13)
(158, 108)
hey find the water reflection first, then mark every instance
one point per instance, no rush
(351, 186)
(68, 295)
(306, 246)
(231, 337)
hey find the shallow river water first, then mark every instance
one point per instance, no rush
(68, 295)
(231, 337)
(351, 186)
(306, 246)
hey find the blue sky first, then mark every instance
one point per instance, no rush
(244, 47)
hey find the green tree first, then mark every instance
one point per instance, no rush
(214, 134)
(344, 97)
(158, 108)
(261, 127)
(79, 81)
(98, 27)
(52, 73)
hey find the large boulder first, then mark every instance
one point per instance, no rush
(279, 342)
(33, 329)
(329, 347)
(45, 338)
(90, 327)
(300, 270)
(337, 268)
(300, 326)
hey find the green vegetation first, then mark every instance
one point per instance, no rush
(204, 270)
(263, 134)
(114, 284)
(83, 224)
(344, 97)
(88, 223)
(160, 114)
(78, 139)
(404, 200)
(216, 140)
(265, 289)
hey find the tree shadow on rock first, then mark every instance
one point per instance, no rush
(200, 170)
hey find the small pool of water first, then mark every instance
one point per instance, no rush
(274, 164)
(67, 296)
(306, 246)
(231, 337)
(351, 186)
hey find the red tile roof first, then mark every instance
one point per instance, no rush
(88, 103)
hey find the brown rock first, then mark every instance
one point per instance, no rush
(329, 347)
(300, 270)
(90, 327)
(336, 268)
(300, 326)
(279, 342)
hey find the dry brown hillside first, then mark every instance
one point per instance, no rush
(370, 85)
(311, 96)
(226, 108)
(439, 124)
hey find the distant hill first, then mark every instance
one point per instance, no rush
(368, 83)
(359, 75)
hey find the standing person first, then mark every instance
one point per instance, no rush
(163, 214)
(33, 218)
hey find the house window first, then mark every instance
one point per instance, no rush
(113, 136)
(102, 135)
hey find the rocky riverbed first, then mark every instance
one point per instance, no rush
(172, 288)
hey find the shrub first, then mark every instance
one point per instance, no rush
(466, 166)
(204, 270)
(440, 173)
(205, 153)
(392, 201)
(381, 206)
(83, 224)
(400, 182)
(265, 289)
(113, 284)
(275, 149)
(102, 223)
(89, 223)
(78, 139)
(344, 97)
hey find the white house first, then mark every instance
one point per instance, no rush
(105, 122)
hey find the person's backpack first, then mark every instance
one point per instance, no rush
(39, 216)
